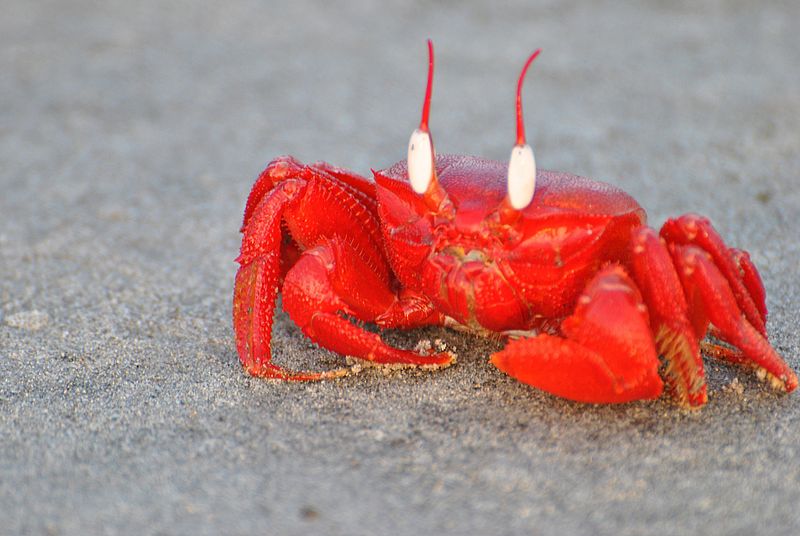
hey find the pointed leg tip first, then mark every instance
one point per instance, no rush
(435, 361)
(274, 372)
(695, 401)
(786, 382)
(441, 360)
(426, 362)
(791, 382)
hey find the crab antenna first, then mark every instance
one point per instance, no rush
(426, 106)
(520, 123)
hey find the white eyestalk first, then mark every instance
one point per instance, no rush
(522, 164)
(420, 161)
(521, 176)
(421, 167)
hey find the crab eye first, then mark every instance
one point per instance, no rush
(521, 176)
(420, 161)
(420, 147)
(522, 164)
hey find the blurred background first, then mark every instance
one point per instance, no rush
(130, 134)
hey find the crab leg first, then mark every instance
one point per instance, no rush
(328, 281)
(256, 287)
(706, 284)
(727, 296)
(296, 218)
(733, 264)
(675, 335)
(607, 354)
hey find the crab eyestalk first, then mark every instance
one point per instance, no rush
(522, 164)
(421, 154)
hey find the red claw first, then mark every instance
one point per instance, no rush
(606, 355)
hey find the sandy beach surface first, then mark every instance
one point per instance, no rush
(130, 134)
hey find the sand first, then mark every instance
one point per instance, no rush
(130, 133)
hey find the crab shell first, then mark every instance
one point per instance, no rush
(488, 275)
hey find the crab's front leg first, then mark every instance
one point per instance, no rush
(316, 228)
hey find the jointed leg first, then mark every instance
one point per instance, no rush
(256, 287)
(734, 265)
(726, 297)
(326, 284)
(687, 290)
(676, 336)
(710, 287)
(702, 278)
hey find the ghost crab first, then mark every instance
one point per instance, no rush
(596, 305)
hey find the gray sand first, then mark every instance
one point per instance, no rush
(130, 133)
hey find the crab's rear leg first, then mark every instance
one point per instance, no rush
(706, 285)
(675, 330)
(606, 354)
(733, 264)
(726, 297)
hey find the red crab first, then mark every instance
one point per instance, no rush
(565, 267)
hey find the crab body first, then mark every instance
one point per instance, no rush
(492, 276)
(595, 305)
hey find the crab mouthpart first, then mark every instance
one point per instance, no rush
(473, 255)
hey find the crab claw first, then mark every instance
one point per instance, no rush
(607, 354)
